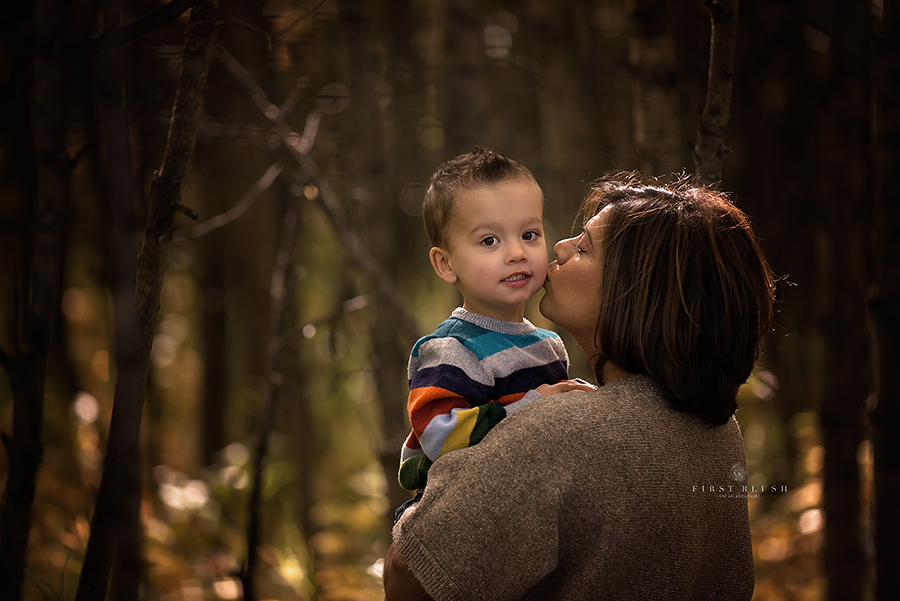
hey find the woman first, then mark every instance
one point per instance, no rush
(633, 491)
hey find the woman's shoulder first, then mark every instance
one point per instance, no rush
(628, 394)
(629, 411)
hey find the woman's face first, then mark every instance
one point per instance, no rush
(572, 297)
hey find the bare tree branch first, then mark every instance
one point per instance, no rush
(299, 147)
(710, 146)
(256, 93)
(223, 219)
(135, 29)
(378, 276)
(248, 26)
(232, 131)
(287, 105)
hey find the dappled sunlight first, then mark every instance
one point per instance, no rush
(227, 588)
(787, 526)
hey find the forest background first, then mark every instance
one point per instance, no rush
(277, 214)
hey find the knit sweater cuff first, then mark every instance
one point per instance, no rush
(428, 571)
(530, 397)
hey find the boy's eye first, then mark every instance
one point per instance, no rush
(489, 240)
(530, 235)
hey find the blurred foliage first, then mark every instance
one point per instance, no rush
(785, 519)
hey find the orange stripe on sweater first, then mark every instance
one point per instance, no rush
(506, 399)
(428, 401)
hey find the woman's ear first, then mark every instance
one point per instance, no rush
(440, 260)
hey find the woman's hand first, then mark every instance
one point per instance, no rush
(567, 386)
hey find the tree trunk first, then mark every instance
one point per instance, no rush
(282, 288)
(655, 99)
(215, 342)
(842, 146)
(774, 103)
(376, 169)
(710, 146)
(123, 452)
(883, 308)
(464, 93)
(581, 120)
(40, 302)
(116, 519)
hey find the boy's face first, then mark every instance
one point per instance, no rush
(496, 254)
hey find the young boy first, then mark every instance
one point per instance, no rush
(484, 214)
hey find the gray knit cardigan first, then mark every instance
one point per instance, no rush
(606, 495)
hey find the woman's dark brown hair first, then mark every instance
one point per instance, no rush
(686, 294)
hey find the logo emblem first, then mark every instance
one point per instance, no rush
(738, 473)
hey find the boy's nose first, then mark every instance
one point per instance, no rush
(516, 253)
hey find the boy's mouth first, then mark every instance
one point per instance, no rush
(516, 277)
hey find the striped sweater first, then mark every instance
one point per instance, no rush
(466, 377)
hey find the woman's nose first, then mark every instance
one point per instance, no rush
(563, 250)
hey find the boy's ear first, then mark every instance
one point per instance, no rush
(440, 260)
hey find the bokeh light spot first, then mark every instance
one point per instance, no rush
(236, 454)
(85, 409)
(811, 521)
(75, 305)
(773, 549)
(430, 132)
(497, 41)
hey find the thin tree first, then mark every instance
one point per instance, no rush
(376, 154)
(299, 149)
(844, 270)
(710, 149)
(464, 95)
(37, 304)
(653, 62)
(883, 305)
(281, 293)
(113, 519)
(115, 523)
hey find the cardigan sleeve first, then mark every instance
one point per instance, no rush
(504, 541)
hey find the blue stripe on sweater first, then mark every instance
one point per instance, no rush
(482, 342)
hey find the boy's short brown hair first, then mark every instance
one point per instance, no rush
(481, 167)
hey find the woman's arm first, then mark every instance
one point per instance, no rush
(399, 582)
(487, 524)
